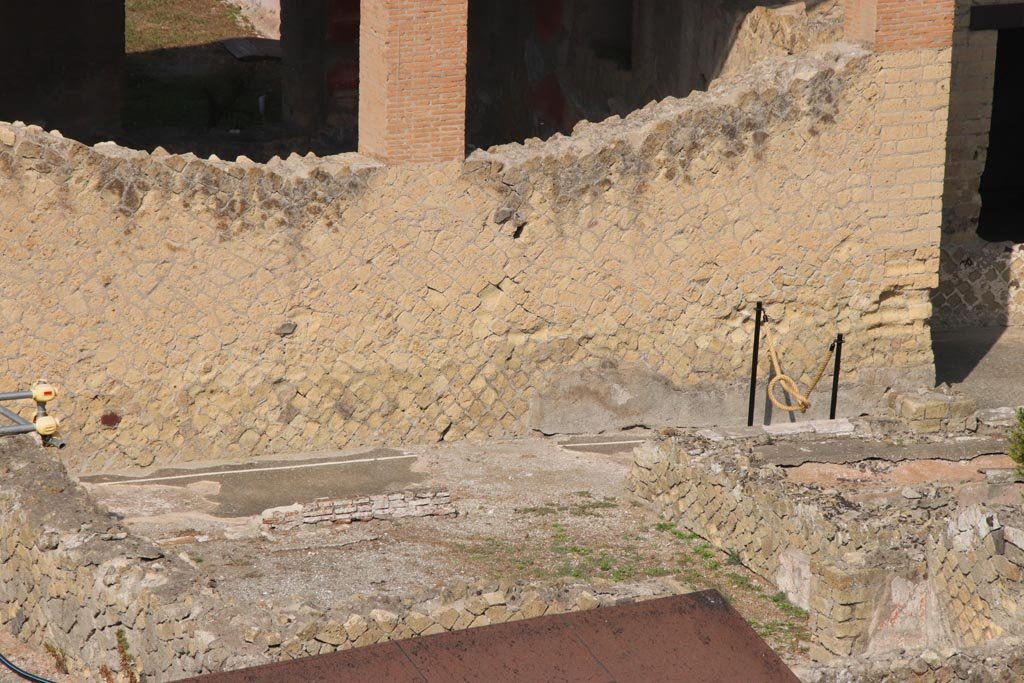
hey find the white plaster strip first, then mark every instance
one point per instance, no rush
(254, 470)
(602, 443)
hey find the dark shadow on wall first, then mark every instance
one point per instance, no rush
(538, 67)
(971, 303)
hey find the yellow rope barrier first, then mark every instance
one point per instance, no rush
(803, 401)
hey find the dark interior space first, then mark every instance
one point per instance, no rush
(1002, 184)
(297, 95)
(613, 33)
(62, 64)
(538, 67)
(152, 73)
(203, 100)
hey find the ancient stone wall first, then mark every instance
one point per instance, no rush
(995, 662)
(980, 282)
(72, 579)
(195, 308)
(874, 576)
(977, 563)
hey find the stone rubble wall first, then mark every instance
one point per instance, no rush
(1000, 661)
(873, 577)
(385, 507)
(71, 578)
(777, 532)
(929, 412)
(239, 309)
(977, 566)
(785, 30)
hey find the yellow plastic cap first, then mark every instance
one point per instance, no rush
(47, 425)
(43, 392)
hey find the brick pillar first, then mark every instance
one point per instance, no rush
(412, 79)
(888, 25)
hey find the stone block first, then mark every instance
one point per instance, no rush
(418, 622)
(788, 428)
(925, 426)
(1006, 569)
(586, 601)
(494, 598)
(333, 634)
(386, 621)
(355, 626)
(962, 407)
(1014, 535)
(446, 617)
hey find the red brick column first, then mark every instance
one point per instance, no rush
(412, 79)
(888, 25)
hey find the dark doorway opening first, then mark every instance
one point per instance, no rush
(1002, 183)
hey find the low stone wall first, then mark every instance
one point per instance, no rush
(928, 412)
(874, 574)
(191, 307)
(997, 662)
(384, 507)
(73, 580)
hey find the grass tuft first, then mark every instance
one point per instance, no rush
(1016, 441)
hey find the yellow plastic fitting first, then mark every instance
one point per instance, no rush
(47, 425)
(42, 392)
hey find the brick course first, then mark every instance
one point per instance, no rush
(888, 25)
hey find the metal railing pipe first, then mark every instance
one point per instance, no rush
(13, 416)
(17, 429)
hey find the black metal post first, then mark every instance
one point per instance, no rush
(835, 377)
(753, 363)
